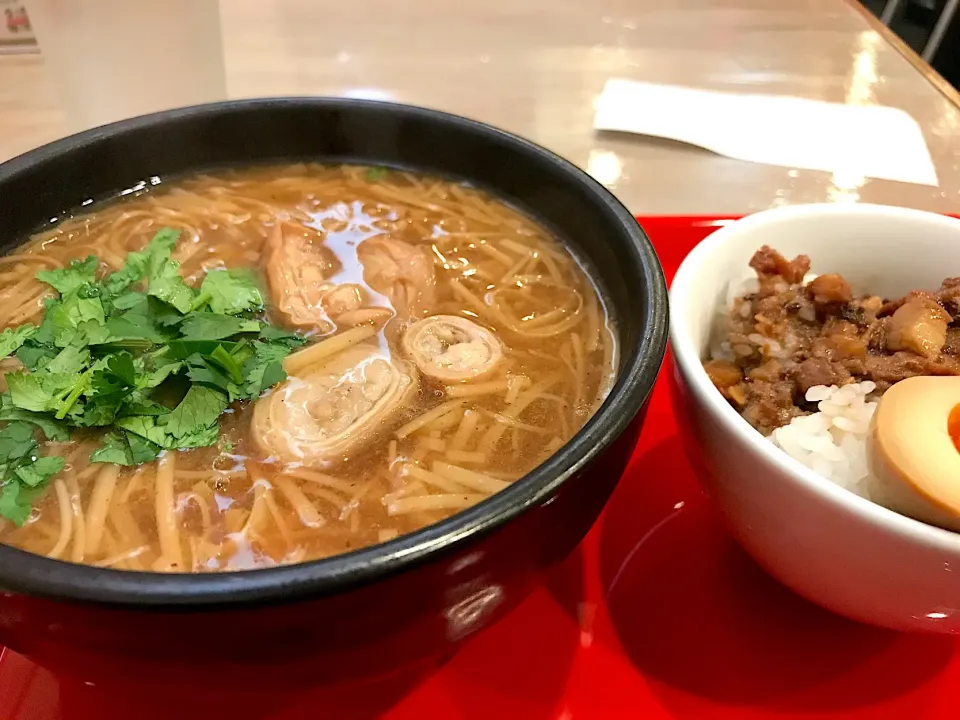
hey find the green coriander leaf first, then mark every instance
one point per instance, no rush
(152, 313)
(139, 264)
(129, 300)
(200, 408)
(376, 173)
(265, 368)
(16, 440)
(272, 374)
(161, 271)
(242, 351)
(89, 332)
(171, 288)
(47, 331)
(131, 345)
(165, 316)
(182, 349)
(40, 470)
(276, 335)
(146, 427)
(69, 398)
(125, 449)
(200, 437)
(226, 361)
(29, 393)
(155, 377)
(106, 352)
(112, 382)
(121, 367)
(53, 429)
(215, 326)
(22, 470)
(62, 319)
(123, 331)
(101, 411)
(163, 276)
(141, 449)
(160, 248)
(12, 338)
(203, 371)
(70, 360)
(114, 450)
(80, 310)
(232, 291)
(141, 326)
(32, 356)
(15, 505)
(46, 392)
(193, 423)
(76, 274)
(138, 404)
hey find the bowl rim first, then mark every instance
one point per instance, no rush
(687, 357)
(25, 572)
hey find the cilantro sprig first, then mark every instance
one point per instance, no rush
(139, 355)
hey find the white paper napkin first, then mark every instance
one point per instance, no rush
(872, 141)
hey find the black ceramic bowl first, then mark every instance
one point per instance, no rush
(382, 607)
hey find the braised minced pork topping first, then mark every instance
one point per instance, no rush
(789, 336)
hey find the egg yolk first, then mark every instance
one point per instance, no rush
(953, 426)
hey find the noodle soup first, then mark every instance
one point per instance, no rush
(330, 358)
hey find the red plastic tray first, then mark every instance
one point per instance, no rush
(658, 614)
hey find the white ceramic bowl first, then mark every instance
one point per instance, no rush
(826, 543)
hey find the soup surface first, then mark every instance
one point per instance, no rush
(441, 345)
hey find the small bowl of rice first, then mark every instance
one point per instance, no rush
(794, 480)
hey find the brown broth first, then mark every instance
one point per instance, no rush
(231, 507)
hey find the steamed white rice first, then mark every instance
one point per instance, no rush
(833, 441)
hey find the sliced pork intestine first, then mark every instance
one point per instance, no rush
(451, 348)
(400, 271)
(332, 409)
(298, 270)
